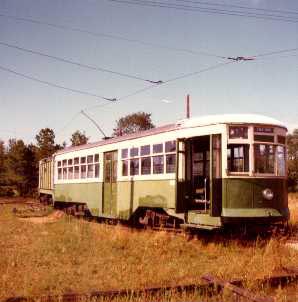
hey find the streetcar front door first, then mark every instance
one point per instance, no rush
(199, 181)
(110, 184)
(200, 173)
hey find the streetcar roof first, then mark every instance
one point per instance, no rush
(200, 121)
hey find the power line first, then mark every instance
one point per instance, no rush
(56, 85)
(78, 63)
(115, 37)
(208, 10)
(241, 7)
(275, 52)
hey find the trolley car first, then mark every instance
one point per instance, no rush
(203, 172)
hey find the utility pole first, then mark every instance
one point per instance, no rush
(187, 106)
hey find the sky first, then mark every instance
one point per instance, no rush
(267, 85)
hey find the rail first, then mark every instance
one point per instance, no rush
(285, 276)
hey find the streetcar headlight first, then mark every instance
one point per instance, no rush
(268, 194)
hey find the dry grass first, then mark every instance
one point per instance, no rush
(74, 255)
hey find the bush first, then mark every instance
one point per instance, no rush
(7, 191)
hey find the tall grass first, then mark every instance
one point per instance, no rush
(73, 255)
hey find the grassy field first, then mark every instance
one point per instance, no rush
(71, 255)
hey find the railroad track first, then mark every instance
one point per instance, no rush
(209, 284)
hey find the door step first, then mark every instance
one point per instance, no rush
(187, 226)
(197, 218)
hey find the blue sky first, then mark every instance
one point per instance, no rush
(267, 85)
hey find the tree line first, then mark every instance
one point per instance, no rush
(19, 161)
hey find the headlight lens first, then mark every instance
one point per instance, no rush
(268, 194)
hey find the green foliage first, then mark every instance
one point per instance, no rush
(22, 166)
(132, 123)
(2, 163)
(292, 141)
(79, 138)
(46, 143)
(19, 163)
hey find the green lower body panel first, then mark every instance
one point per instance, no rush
(243, 200)
(88, 193)
(145, 193)
(130, 196)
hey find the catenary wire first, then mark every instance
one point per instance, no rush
(110, 36)
(208, 10)
(56, 85)
(68, 61)
(241, 7)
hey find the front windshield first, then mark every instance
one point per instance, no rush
(264, 158)
(238, 157)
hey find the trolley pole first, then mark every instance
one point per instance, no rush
(187, 106)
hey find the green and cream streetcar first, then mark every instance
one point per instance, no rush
(202, 172)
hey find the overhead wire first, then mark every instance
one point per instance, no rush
(189, 8)
(110, 36)
(56, 85)
(240, 6)
(68, 61)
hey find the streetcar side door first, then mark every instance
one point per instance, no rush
(110, 183)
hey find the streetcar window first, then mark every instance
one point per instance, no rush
(96, 170)
(96, 158)
(170, 146)
(70, 173)
(158, 148)
(83, 171)
(76, 160)
(158, 164)
(145, 165)
(90, 171)
(281, 161)
(170, 163)
(281, 139)
(134, 152)
(124, 153)
(76, 172)
(70, 162)
(238, 158)
(125, 168)
(60, 173)
(64, 173)
(83, 160)
(264, 158)
(238, 132)
(134, 166)
(59, 163)
(64, 162)
(90, 159)
(145, 150)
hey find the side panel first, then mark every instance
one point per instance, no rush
(89, 193)
(147, 193)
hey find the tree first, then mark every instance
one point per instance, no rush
(79, 138)
(2, 162)
(46, 143)
(292, 141)
(132, 123)
(16, 164)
